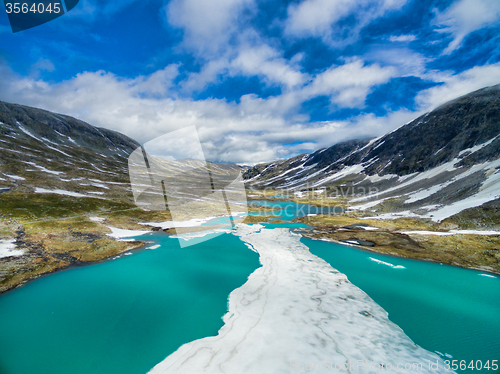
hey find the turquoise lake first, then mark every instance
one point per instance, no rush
(122, 316)
(126, 315)
(442, 308)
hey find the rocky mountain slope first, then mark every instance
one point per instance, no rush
(438, 165)
(45, 152)
(63, 183)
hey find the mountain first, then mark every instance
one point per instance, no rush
(44, 151)
(435, 166)
(66, 197)
(63, 184)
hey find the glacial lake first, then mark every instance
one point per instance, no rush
(126, 315)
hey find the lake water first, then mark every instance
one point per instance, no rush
(442, 308)
(126, 315)
(122, 316)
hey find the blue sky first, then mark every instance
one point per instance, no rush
(261, 80)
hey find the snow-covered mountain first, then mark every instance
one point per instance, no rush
(65, 194)
(436, 166)
(44, 152)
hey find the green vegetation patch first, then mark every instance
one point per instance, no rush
(15, 271)
(26, 207)
(470, 251)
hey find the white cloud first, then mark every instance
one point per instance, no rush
(466, 16)
(209, 73)
(320, 18)
(248, 60)
(255, 130)
(42, 65)
(252, 131)
(158, 83)
(349, 84)
(267, 62)
(402, 38)
(456, 85)
(405, 61)
(208, 25)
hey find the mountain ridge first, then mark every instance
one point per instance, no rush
(64, 186)
(64, 191)
(441, 158)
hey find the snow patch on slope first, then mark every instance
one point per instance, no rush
(8, 249)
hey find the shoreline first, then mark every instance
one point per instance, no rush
(395, 255)
(405, 237)
(117, 235)
(77, 264)
(467, 250)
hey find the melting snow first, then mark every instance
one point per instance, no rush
(478, 147)
(59, 192)
(170, 224)
(26, 131)
(100, 185)
(71, 180)
(58, 150)
(295, 308)
(490, 190)
(451, 232)
(64, 192)
(97, 219)
(7, 249)
(14, 177)
(43, 169)
(377, 178)
(347, 170)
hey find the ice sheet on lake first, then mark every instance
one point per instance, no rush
(387, 263)
(296, 309)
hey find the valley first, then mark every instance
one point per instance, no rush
(66, 201)
(429, 190)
